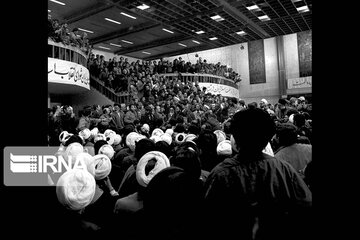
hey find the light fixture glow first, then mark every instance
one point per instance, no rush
(111, 20)
(166, 30)
(303, 9)
(143, 7)
(127, 15)
(264, 18)
(217, 18)
(58, 2)
(146, 52)
(200, 32)
(182, 44)
(84, 30)
(49, 10)
(196, 42)
(116, 45)
(253, 7)
(213, 38)
(104, 47)
(241, 33)
(127, 42)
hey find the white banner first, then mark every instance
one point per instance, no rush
(65, 72)
(304, 82)
(224, 90)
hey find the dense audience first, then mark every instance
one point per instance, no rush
(122, 76)
(195, 168)
(60, 32)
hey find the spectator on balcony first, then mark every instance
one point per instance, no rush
(75, 38)
(104, 75)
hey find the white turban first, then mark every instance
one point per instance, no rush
(75, 189)
(190, 137)
(102, 166)
(264, 101)
(132, 138)
(64, 136)
(72, 150)
(161, 162)
(180, 138)
(109, 132)
(94, 131)
(145, 127)
(155, 138)
(107, 150)
(220, 135)
(157, 132)
(85, 134)
(268, 150)
(291, 118)
(110, 139)
(166, 138)
(224, 148)
(88, 160)
(117, 139)
(99, 137)
(169, 131)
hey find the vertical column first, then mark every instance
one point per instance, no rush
(281, 66)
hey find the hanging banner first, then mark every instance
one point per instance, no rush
(65, 72)
(223, 90)
(304, 82)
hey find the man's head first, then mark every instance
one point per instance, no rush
(252, 129)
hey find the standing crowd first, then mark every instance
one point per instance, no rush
(186, 168)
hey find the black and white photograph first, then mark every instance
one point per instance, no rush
(168, 119)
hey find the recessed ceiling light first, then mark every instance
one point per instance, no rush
(166, 30)
(213, 38)
(200, 32)
(143, 7)
(146, 52)
(182, 44)
(58, 2)
(196, 42)
(303, 9)
(264, 18)
(104, 47)
(217, 18)
(127, 15)
(116, 45)
(84, 30)
(241, 33)
(110, 20)
(127, 42)
(253, 7)
(49, 10)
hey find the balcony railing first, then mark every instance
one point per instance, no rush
(202, 77)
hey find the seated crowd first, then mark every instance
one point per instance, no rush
(60, 32)
(122, 76)
(186, 168)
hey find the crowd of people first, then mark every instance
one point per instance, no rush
(123, 76)
(195, 166)
(60, 32)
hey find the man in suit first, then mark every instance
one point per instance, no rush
(118, 117)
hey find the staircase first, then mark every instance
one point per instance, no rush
(109, 93)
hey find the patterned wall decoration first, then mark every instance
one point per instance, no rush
(257, 62)
(304, 40)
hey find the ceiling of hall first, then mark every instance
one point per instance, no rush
(142, 35)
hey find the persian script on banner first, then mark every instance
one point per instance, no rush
(304, 82)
